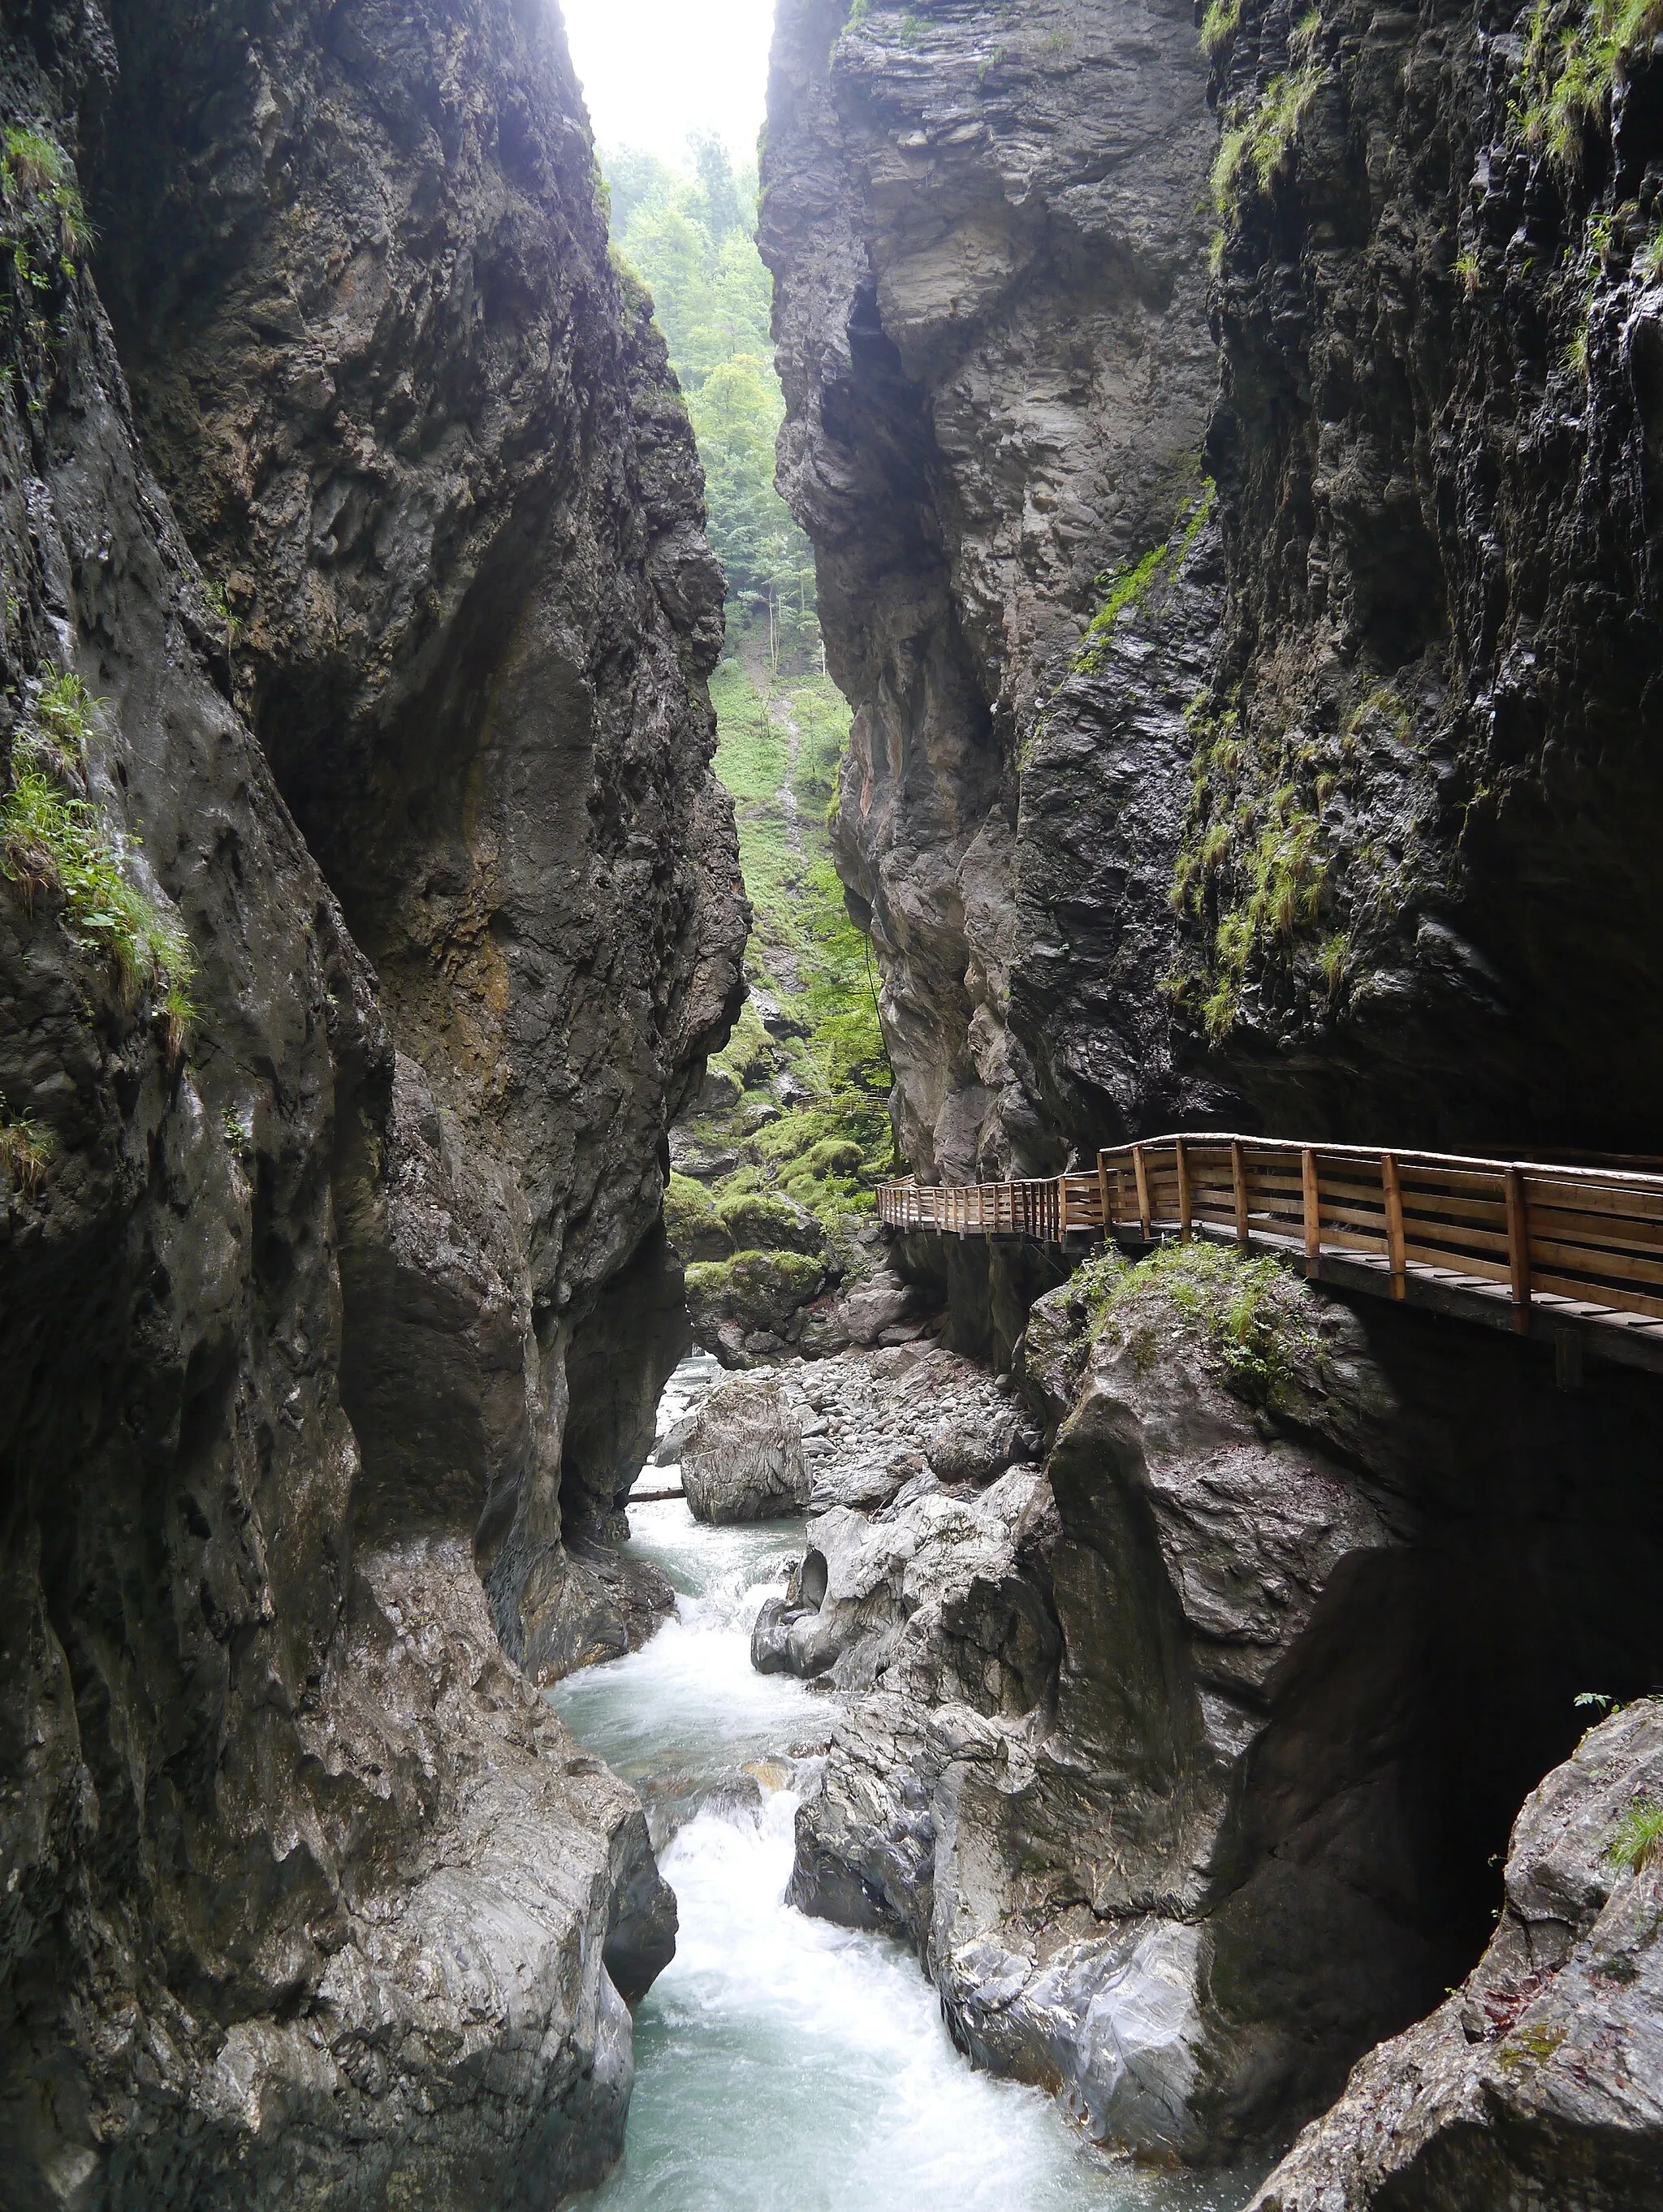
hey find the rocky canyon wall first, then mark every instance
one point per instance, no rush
(989, 249)
(1322, 800)
(369, 909)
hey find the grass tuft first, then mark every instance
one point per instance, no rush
(1637, 1838)
(25, 1150)
(53, 839)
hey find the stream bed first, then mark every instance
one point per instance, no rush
(784, 2065)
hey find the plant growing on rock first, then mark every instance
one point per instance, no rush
(25, 1150)
(1575, 57)
(1252, 1316)
(1638, 1836)
(52, 839)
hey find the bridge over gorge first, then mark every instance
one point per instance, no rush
(1570, 1255)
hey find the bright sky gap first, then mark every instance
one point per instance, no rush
(656, 71)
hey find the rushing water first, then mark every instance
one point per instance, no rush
(784, 2065)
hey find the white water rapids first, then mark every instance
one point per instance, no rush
(784, 2065)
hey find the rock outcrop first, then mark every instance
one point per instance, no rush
(368, 909)
(1540, 2080)
(988, 239)
(1155, 1760)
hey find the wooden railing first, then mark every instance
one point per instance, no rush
(1564, 1243)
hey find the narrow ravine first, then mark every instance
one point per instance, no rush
(783, 2062)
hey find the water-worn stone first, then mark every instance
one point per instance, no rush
(742, 1456)
(1540, 2080)
(307, 1900)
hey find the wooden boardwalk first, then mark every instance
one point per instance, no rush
(1572, 1254)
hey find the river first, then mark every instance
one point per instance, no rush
(784, 2065)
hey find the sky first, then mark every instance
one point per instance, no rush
(654, 71)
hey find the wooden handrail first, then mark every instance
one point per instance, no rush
(1561, 1243)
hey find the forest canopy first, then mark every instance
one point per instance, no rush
(690, 238)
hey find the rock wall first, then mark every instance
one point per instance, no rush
(989, 255)
(1330, 808)
(368, 910)
(1436, 446)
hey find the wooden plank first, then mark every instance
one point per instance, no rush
(1645, 1204)
(1102, 1192)
(1439, 1256)
(1182, 1164)
(1140, 1169)
(1518, 1210)
(1458, 1235)
(1632, 1301)
(1609, 1266)
(1618, 1230)
(1393, 1195)
(1312, 1211)
(1239, 1192)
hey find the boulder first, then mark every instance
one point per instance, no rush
(742, 1457)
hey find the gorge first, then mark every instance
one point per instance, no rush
(1114, 1721)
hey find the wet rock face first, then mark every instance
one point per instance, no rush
(360, 285)
(1164, 1777)
(1437, 451)
(1535, 2083)
(308, 1900)
(988, 245)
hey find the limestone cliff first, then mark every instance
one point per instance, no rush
(989, 251)
(367, 909)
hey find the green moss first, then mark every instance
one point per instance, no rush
(1252, 1314)
(690, 1223)
(754, 1291)
(759, 1222)
(1132, 587)
(52, 839)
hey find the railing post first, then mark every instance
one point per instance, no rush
(1239, 1185)
(1182, 1158)
(1312, 1211)
(1392, 1191)
(1102, 1196)
(1140, 1170)
(1518, 1247)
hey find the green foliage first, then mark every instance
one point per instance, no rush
(25, 1150)
(1465, 269)
(1575, 53)
(1253, 146)
(52, 839)
(1219, 26)
(757, 1221)
(690, 240)
(35, 174)
(1252, 1314)
(758, 1290)
(1132, 587)
(859, 11)
(1638, 1836)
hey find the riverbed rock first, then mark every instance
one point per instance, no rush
(1176, 1801)
(742, 1457)
(1540, 2080)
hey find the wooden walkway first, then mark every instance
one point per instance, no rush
(1571, 1255)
